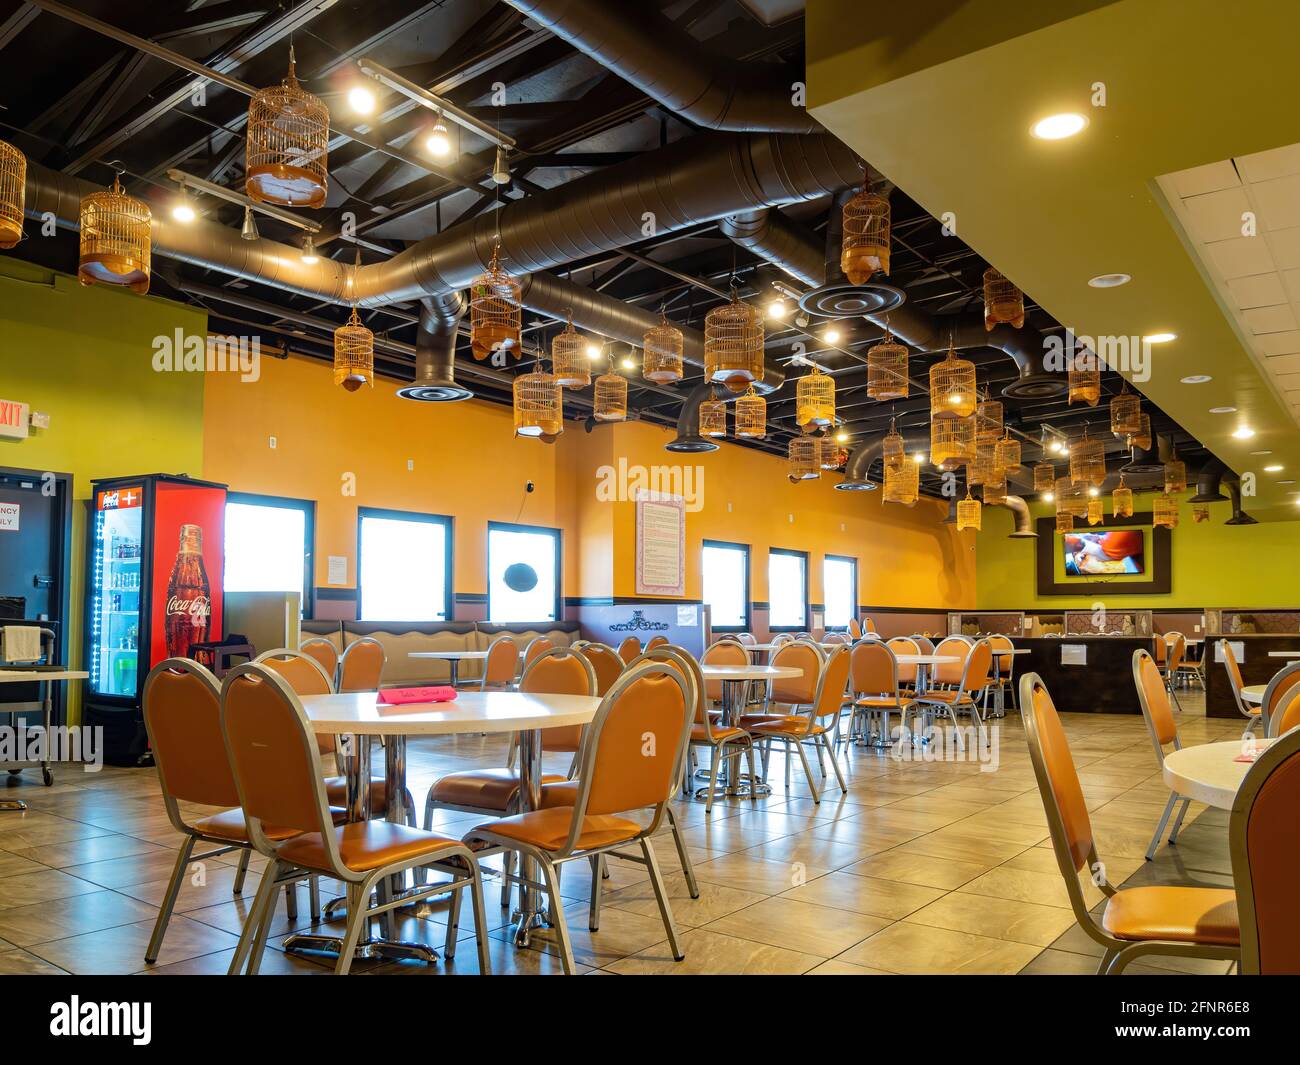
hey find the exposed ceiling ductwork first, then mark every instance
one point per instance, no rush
(1024, 522)
(771, 236)
(435, 351)
(1208, 482)
(1239, 516)
(858, 467)
(648, 50)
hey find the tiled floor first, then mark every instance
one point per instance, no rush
(923, 867)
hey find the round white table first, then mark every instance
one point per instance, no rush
(357, 716)
(453, 660)
(1253, 693)
(735, 680)
(1208, 772)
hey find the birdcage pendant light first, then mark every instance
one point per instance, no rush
(287, 145)
(995, 491)
(610, 402)
(1121, 500)
(1085, 377)
(663, 343)
(1175, 477)
(1125, 414)
(815, 400)
(887, 370)
(1007, 455)
(1070, 497)
(495, 312)
(569, 360)
(1142, 438)
(13, 194)
(952, 441)
(751, 416)
(538, 404)
(1044, 476)
(952, 386)
(892, 448)
(733, 344)
(981, 470)
(1164, 511)
(1064, 521)
(354, 354)
(1096, 514)
(713, 418)
(1200, 512)
(1088, 461)
(805, 457)
(864, 245)
(1003, 301)
(115, 236)
(902, 482)
(988, 420)
(969, 512)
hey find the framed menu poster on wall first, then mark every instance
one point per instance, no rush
(660, 544)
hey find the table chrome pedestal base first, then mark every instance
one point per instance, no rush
(12, 804)
(387, 949)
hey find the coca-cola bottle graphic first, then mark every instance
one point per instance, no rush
(189, 596)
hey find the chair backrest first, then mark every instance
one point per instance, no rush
(747, 638)
(305, 676)
(998, 642)
(868, 625)
(831, 685)
(1278, 693)
(1177, 649)
(904, 645)
(1286, 716)
(924, 644)
(837, 637)
(361, 669)
(501, 662)
(629, 649)
(560, 671)
(800, 690)
(1234, 677)
(607, 664)
(684, 663)
(182, 712)
(656, 641)
(781, 639)
(1264, 842)
(325, 653)
(1153, 697)
(538, 645)
(273, 758)
(1161, 643)
(855, 628)
(722, 653)
(874, 669)
(951, 672)
(979, 664)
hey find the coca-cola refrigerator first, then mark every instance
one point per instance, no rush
(153, 588)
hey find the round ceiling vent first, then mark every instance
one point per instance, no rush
(444, 393)
(845, 300)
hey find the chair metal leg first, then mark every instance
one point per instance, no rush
(313, 896)
(1160, 827)
(836, 766)
(593, 916)
(480, 920)
(428, 812)
(714, 759)
(358, 919)
(1178, 822)
(453, 925)
(169, 900)
(263, 930)
(253, 920)
(1106, 959)
(291, 900)
(507, 868)
(661, 897)
(807, 769)
(688, 868)
(557, 912)
(242, 871)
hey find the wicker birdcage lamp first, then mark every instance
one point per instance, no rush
(354, 354)
(663, 344)
(1125, 414)
(995, 491)
(1142, 438)
(1006, 457)
(13, 194)
(1085, 378)
(1070, 497)
(610, 402)
(981, 470)
(115, 233)
(1121, 500)
(833, 456)
(952, 387)
(815, 400)
(1064, 521)
(1003, 301)
(539, 404)
(892, 448)
(902, 482)
(1088, 461)
(751, 416)
(864, 247)
(733, 344)
(988, 421)
(569, 360)
(287, 145)
(952, 441)
(1175, 477)
(969, 512)
(713, 418)
(1164, 511)
(887, 370)
(805, 455)
(1096, 513)
(495, 312)
(1044, 476)
(1200, 512)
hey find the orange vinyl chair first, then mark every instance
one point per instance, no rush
(277, 771)
(361, 669)
(1004, 668)
(1264, 842)
(725, 652)
(747, 638)
(537, 646)
(607, 664)
(1280, 707)
(964, 695)
(1153, 696)
(500, 665)
(1251, 713)
(629, 649)
(619, 774)
(1176, 651)
(949, 674)
(838, 637)
(325, 653)
(791, 691)
(794, 730)
(1161, 642)
(868, 625)
(855, 628)
(874, 679)
(655, 641)
(1175, 921)
(904, 645)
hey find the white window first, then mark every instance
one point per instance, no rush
(725, 569)
(268, 545)
(840, 590)
(523, 574)
(787, 589)
(404, 567)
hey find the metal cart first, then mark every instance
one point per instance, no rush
(42, 703)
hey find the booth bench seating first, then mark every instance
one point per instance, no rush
(400, 638)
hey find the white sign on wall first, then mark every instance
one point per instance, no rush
(14, 418)
(8, 517)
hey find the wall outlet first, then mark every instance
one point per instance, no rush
(410, 464)
(271, 441)
(791, 519)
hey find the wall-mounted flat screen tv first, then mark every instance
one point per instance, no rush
(1105, 553)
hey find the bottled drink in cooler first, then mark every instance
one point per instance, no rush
(189, 602)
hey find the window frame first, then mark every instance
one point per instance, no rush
(806, 609)
(510, 526)
(852, 560)
(307, 607)
(746, 551)
(447, 520)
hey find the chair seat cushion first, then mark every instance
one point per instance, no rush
(1181, 914)
(721, 733)
(548, 829)
(365, 845)
(884, 702)
(336, 793)
(791, 725)
(943, 697)
(230, 824)
(561, 793)
(482, 789)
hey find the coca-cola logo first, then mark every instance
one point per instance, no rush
(197, 608)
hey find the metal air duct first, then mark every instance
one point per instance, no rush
(1208, 482)
(857, 469)
(1024, 527)
(1239, 516)
(435, 351)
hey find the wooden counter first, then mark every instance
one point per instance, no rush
(1256, 666)
(1104, 685)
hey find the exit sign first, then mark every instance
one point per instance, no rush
(14, 418)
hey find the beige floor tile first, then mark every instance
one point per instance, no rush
(863, 894)
(120, 950)
(20, 963)
(711, 954)
(746, 873)
(913, 949)
(72, 915)
(799, 926)
(924, 869)
(1019, 922)
(843, 968)
(715, 901)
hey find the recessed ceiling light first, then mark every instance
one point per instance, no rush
(1223, 410)
(1160, 338)
(1261, 452)
(1197, 379)
(1272, 469)
(1110, 280)
(361, 99)
(1243, 432)
(1286, 482)
(1058, 127)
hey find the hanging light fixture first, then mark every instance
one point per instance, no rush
(1003, 302)
(892, 448)
(733, 344)
(182, 210)
(1121, 500)
(952, 386)
(439, 142)
(1088, 461)
(495, 313)
(569, 360)
(1175, 477)
(115, 232)
(500, 168)
(610, 398)
(1007, 456)
(538, 404)
(864, 246)
(988, 420)
(1044, 476)
(1070, 497)
(815, 400)
(833, 456)
(308, 254)
(952, 441)
(751, 416)
(1095, 513)
(902, 482)
(995, 492)
(1142, 438)
(969, 512)
(981, 470)
(1064, 521)
(287, 145)
(1125, 413)
(713, 418)
(887, 369)
(1200, 512)
(1164, 511)
(354, 354)
(13, 194)
(1085, 377)
(663, 352)
(805, 457)
(248, 231)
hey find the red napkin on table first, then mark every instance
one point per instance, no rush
(440, 693)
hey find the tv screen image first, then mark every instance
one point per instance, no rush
(1115, 551)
